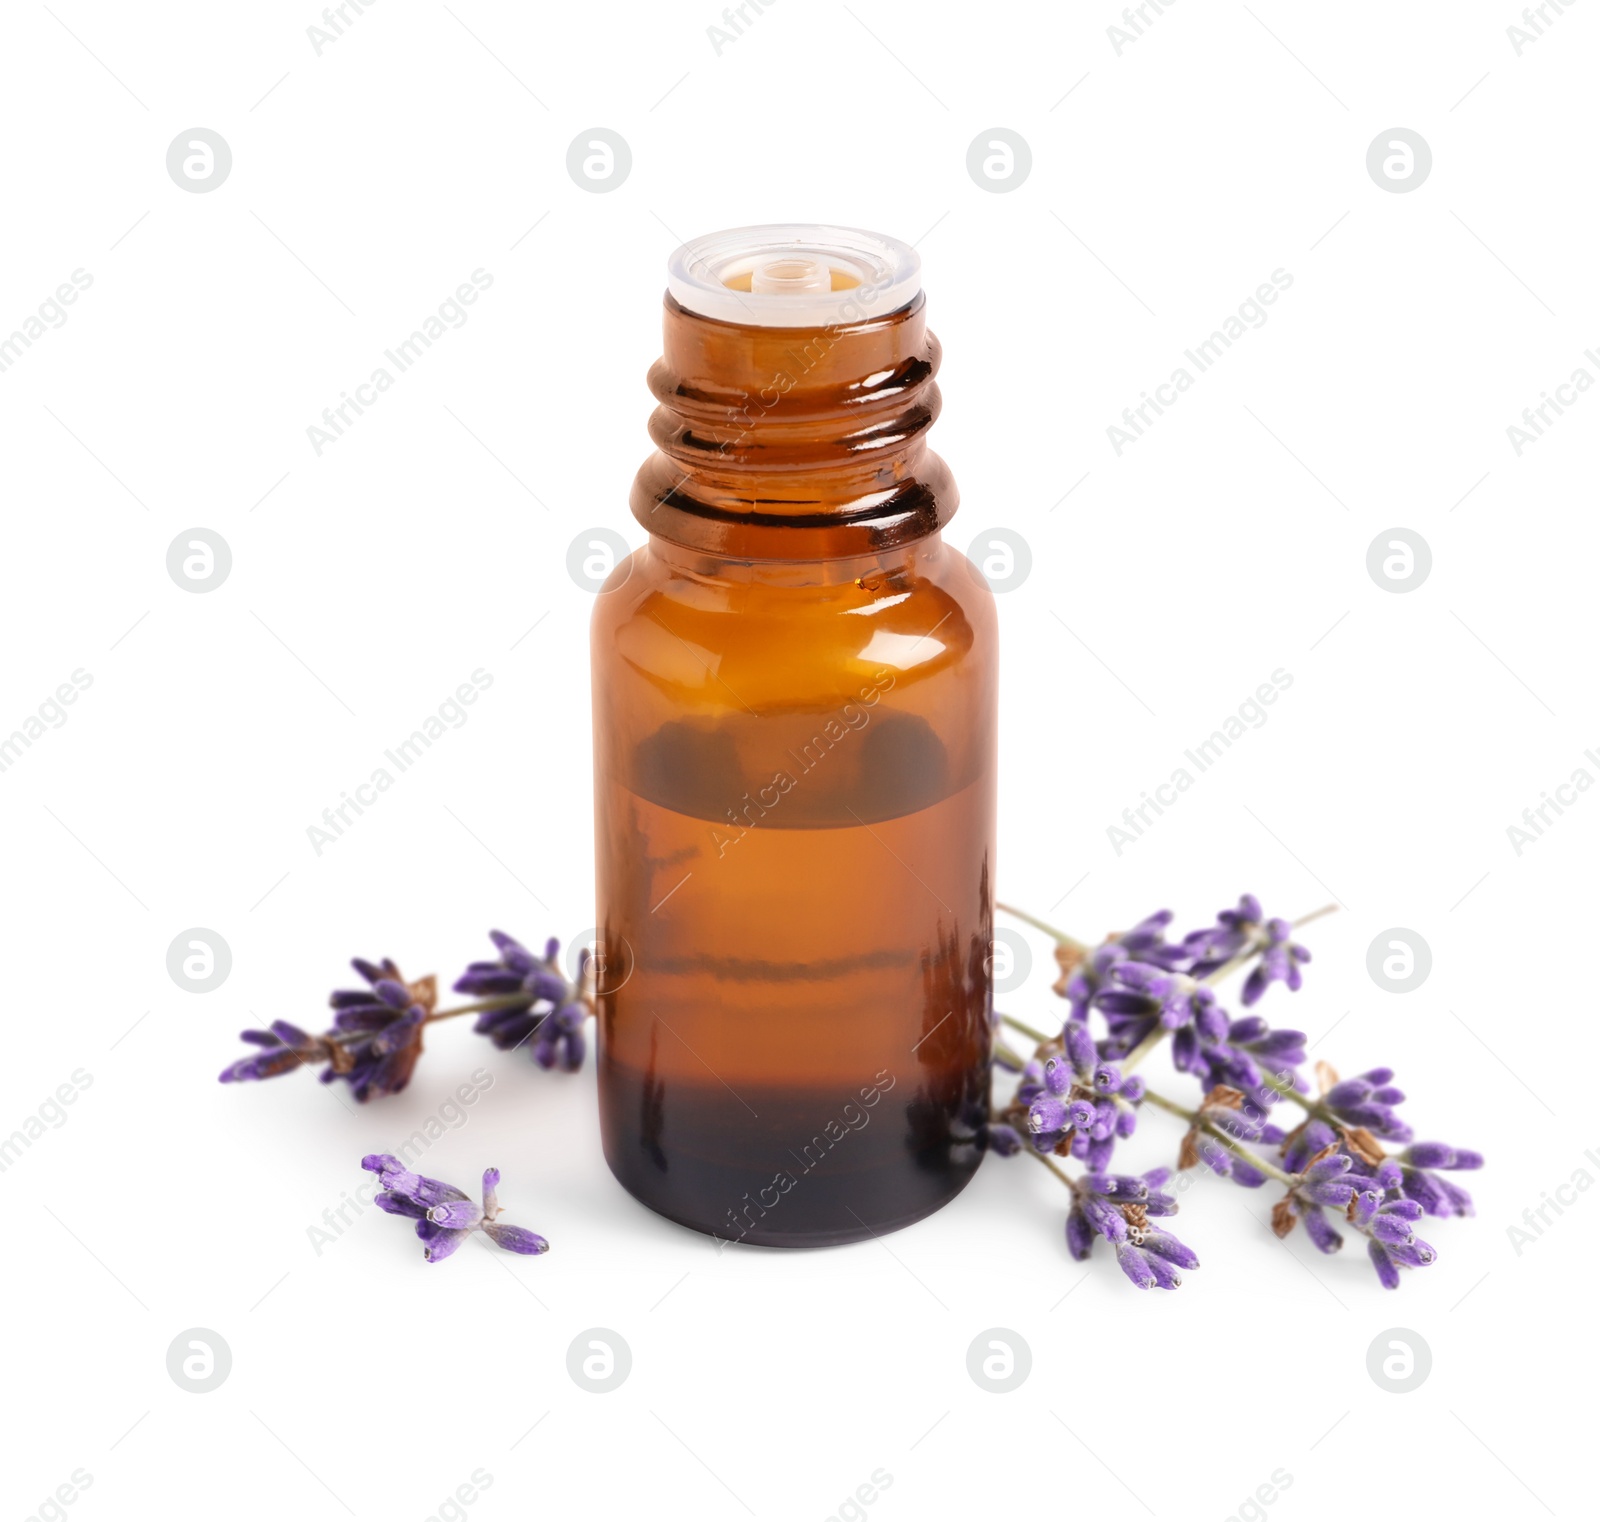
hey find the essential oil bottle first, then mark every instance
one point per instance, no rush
(794, 710)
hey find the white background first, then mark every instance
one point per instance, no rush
(1167, 583)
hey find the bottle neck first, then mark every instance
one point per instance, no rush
(793, 443)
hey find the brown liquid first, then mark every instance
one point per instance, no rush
(794, 723)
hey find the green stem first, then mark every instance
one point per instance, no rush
(1005, 1053)
(1049, 930)
(1061, 1173)
(1316, 914)
(1221, 1137)
(1027, 1030)
(500, 1001)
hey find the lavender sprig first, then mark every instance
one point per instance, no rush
(376, 1036)
(1078, 1096)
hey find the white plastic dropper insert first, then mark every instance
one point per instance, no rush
(794, 275)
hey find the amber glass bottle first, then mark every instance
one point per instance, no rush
(794, 699)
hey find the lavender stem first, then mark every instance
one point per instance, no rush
(1217, 1134)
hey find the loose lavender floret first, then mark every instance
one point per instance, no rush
(546, 1007)
(445, 1215)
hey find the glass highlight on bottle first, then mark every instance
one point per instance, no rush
(794, 699)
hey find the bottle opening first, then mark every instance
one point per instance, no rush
(793, 275)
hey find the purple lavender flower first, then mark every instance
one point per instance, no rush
(1118, 1207)
(1420, 1181)
(998, 1137)
(1234, 930)
(1374, 1204)
(1389, 1258)
(541, 1003)
(1306, 1142)
(1081, 985)
(445, 1215)
(1368, 1101)
(284, 1047)
(1280, 963)
(976, 1127)
(1237, 1062)
(1147, 942)
(1073, 1099)
(378, 1030)
(1245, 928)
(374, 1044)
(1137, 999)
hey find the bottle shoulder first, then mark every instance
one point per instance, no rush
(772, 635)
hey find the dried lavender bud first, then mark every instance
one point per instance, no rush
(445, 1215)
